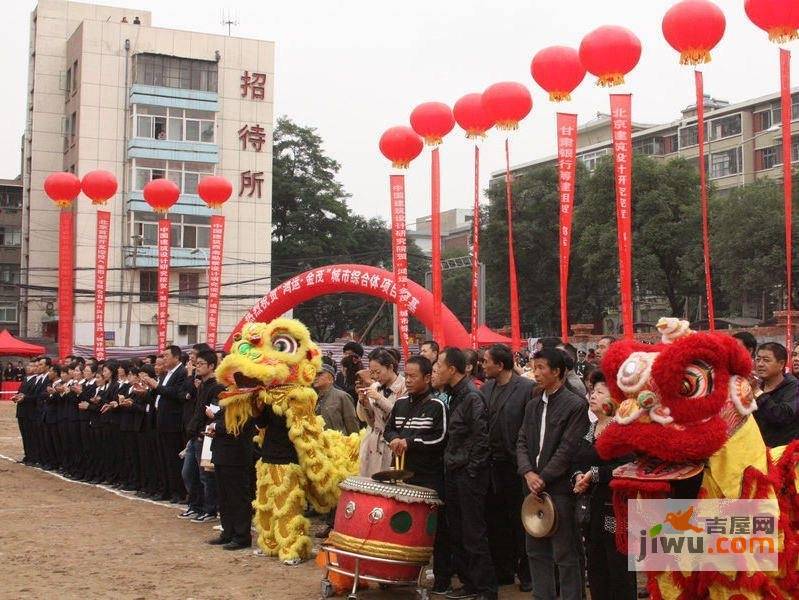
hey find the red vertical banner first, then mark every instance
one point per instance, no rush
(100, 277)
(399, 253)
(435, 233)
(163, 279)
(700, 140)
(787, 116)
(66, 285)
(476, 248)
(567, 146)
(515, 325)
(215, 277)
(621, 123)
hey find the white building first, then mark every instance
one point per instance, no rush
(107, 90)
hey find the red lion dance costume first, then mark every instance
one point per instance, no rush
(685, 407)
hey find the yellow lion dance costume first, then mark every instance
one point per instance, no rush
(274, 364)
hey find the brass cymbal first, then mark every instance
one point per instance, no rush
(393, 475)
(539, 517)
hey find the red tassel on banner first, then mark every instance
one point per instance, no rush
(621, 121)
(214, 277)
(399, 255)
(100, 278)
(66, 285)
(567, 145)
(785, 93)
(435, 232)
(164, 251)
(476, 248)
(515, 327)
(700, 138)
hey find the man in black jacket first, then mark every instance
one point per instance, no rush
(466, 477)
(553, 424)
(507, 395)
(776, 413)
(169, 425)
(416, 428)
(20, 399)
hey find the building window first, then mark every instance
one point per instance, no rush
(767, 158)
(670, 144)
(725, 127)
(688, 136)
(189, 332)
(189, 288)
(761, 120)
(10, 236)
(591, 159)
(176, 124)
(186, 175)
(148, 286)
(68, 83)
(73, 127)
(10, 198)
(9, 273)
(148, 335)
(648, 146)
(74, 76)
(174, 72)
(187, 231)
(8, 312)
(724, 164)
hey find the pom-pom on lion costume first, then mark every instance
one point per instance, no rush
(274, 364)
(685, 411)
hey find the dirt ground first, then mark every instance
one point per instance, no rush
(63, 539)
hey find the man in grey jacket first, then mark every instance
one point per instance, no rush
(333, 404)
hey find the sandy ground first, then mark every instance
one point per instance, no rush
(63, 539)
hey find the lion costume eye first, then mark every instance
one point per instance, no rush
(697, 380)
(284, 343)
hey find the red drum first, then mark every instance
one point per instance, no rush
(385, 520)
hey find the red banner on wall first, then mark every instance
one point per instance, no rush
(785, 91)
(621, 122)
(100, 276)
(435, 234)
(700, 140)
(163, 280)
(567, 146)
(399, 254)
(215, 276)
(476, 248)
(66, 285)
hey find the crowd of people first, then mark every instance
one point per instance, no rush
(482, 428)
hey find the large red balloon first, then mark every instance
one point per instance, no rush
(558, 70)
(432, 120)
(214, 190)
(471, 116)
(62, 188)
(610, 52)
(507, 103)
(693, 28)
(400, 145)
(161, 194)
(99, 186)
(780, 18)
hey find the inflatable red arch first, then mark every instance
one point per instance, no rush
(353, 279)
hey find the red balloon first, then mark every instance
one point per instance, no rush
(610, 52)
(507, 102)
(432, 120)
(471, 116)
(161, 194)
(780, 18)
(693, 28)
(214, 190)
(99, 186)
(400, 145)
(62, 188)
(558, 70)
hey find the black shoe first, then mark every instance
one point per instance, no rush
(462, 594)
(485, 596)
(441, 589)
(175, 500)
(526, 586)
(219, 541)
(234, 545)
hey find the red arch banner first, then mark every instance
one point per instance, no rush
(352, 279)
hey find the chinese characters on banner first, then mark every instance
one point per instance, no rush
(100, 275)
(621, 124)
(66, 267)
(399, 253)
(251, 181)
(567, 145)
(163, 280)
(253, 85)
(476, 247)
(255, 135)
(215, 276)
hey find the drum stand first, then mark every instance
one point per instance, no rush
(327, 586)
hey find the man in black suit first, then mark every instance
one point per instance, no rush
(169, 422)
(19, 399)
(38, 408)
(554, 422)
(507, 395)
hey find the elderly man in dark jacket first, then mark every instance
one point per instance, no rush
(553, 424)
(466, 477)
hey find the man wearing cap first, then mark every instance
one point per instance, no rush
(333, 404)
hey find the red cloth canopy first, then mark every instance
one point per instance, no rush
(11, 346)
(487, 337)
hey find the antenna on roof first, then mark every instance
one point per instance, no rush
(230, 19)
